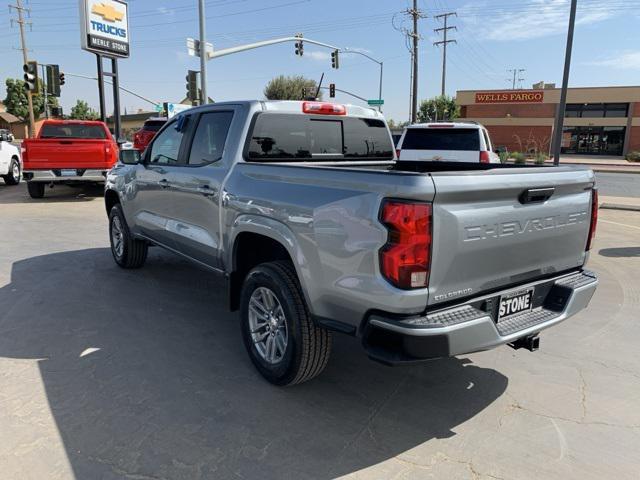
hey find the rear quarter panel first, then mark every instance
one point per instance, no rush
(327, 218)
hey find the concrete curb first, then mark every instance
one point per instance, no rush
(615, 206)
(610, 170)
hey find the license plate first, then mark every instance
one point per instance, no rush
(68, 173)
(514, 303)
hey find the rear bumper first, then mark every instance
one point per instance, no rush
(55, 175)
(470, 327)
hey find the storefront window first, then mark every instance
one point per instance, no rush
(596, 110)
(593, 140)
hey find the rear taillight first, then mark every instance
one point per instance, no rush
(398, 153)
(405, 259)
(323, 108)
(594, 218)
(484, 157)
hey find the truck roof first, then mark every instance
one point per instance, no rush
(72, 122)
(295, 106)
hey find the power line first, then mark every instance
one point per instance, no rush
(444, 43)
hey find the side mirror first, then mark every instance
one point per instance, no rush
(130, 157)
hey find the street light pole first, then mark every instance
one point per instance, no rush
(557, 131)
(203, 54)
(346, 50)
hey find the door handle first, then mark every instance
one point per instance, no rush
(164, 183)
(206, 190)
(536, 195)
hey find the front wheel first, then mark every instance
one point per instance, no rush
(127, 251)
(13, 177)
(36, 189)
(282, 340)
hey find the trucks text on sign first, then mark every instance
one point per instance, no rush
(510, 97)
(105, 27)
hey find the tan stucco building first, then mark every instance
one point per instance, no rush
(598, 120)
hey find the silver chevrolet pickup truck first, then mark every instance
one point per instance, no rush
(316, 227)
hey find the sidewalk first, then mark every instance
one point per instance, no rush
(601, 163)
(620, 203)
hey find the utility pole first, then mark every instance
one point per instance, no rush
(444, 43)
(516, 76)
(203, 54)
(21, 22)
(416, 14)
(557, 131)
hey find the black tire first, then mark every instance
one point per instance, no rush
(133, 252)
(10, 178)
(308, 347)
(36, 189)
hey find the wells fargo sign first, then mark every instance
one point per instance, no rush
(510, 97)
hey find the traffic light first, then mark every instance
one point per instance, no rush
(335, 59)
(57, 112)
(304, 93)
(61, 78)
(31, 76)
(332, 90)
(192, 85)
(53, 80)
(299, 48)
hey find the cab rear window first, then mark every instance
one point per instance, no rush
(154, 125)
(286, 137)
(73, 131)
(441, 139)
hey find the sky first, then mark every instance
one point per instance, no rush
(492, 37)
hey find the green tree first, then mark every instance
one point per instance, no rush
(393, 125)
(16, 101)
(441, 107)
(290, 88)
(82, 111)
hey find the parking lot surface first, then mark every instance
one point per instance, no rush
(110, 374)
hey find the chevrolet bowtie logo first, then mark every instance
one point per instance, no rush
(107, 12)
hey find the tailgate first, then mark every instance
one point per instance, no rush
(472, 156)
(47, 154)
(487, 234)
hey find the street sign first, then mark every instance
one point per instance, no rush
(375, 102)
(158, 108)
(173, 109)
(104, 27)
(193, 48)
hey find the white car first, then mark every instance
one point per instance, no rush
(10, 163)
(446, 142)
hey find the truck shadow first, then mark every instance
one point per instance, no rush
(145, 375)
(620, 252)
(58, 194)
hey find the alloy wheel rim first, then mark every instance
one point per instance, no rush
(15, 171)
(117, 237)
(268, 325)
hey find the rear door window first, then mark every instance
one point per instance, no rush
(290, 137)
(154, 125)
(73, 131)
(210, 137)
(441, 139)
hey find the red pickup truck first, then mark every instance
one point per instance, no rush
(68, 152)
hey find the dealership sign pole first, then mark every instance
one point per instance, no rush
(104, 30)
(557, 131)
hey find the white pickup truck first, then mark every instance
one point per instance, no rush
(10, 163)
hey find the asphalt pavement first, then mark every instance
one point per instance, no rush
(618, 184)
(113, 374)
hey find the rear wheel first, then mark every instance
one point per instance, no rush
(282, 340)
(36, 189)
(128, 252)
(13, 177)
